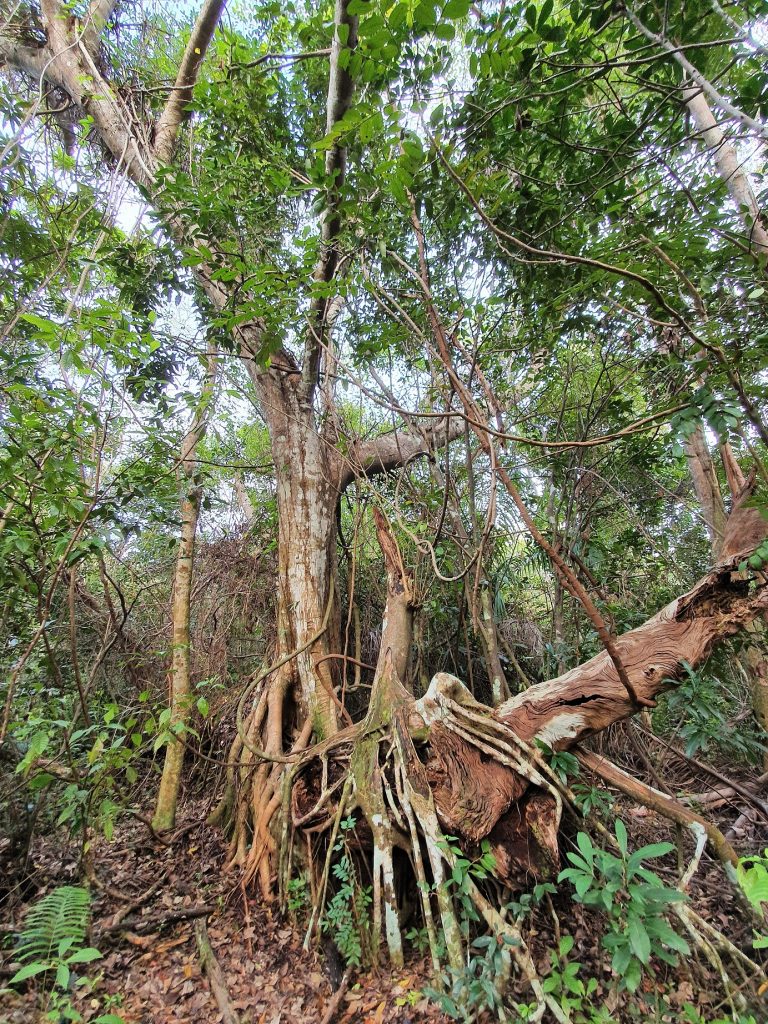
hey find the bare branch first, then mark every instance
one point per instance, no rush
(32, 61)
(173, 114)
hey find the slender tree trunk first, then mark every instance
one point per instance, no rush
(489, 638)
(181, 682)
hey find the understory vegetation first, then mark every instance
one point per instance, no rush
(383, 511)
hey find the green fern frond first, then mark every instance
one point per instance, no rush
(59, 917)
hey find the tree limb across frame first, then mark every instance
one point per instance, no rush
(397, 448)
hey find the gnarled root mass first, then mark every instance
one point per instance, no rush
(417, 771)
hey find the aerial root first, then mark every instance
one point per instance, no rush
(387, 782)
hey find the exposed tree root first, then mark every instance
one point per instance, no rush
(416, 771)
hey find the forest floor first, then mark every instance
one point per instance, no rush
(151, 971)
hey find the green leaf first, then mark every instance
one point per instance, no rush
(648, 853)
(28, 971)
(84, 956)
(621, 836)
(456, 9)
(584, 844)
(639, 940)
(633, 976)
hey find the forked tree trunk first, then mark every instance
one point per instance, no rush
(752, 657)
(706, 485)
(311, 475)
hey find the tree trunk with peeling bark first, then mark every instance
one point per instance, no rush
(307, 496)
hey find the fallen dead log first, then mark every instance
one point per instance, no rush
(484, 772)
(212, 968)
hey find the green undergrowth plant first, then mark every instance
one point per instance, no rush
(634, 899)
(690, 1015)
(297, 896)
(700, 708)
(346, 916)
(92, 768)
(464, 993)
(479, 985)
(52, 947)
(752, 873)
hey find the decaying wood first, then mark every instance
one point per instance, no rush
(139, 902)
(213, 970)
(590, 697)
(397, 627)
(338, 995)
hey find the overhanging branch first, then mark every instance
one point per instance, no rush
(29, 60)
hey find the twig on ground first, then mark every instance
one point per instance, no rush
(155, 923)
(139, 901)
